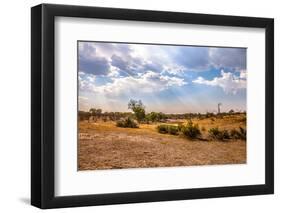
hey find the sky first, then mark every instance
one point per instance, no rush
(167, 78)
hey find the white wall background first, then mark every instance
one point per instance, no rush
(15, 105)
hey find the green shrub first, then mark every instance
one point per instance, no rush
(243, 133)
(173, 130)
(238, 134)
(180, 127)
(165, 129)
(235, 134)
(191, 130)
(217, 134)
(214, 132)
(127, 123)
(225, 135)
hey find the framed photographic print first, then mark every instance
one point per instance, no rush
(139, 106)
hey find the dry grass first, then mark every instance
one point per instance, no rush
(102, 145)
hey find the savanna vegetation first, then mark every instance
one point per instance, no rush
(151, 139)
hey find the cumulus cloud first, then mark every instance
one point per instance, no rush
(86, 81)
(110, 73)
(205, 58)
(130, 65)
(146, 83)
(174, 69)
(99, 58)
(229, 82)
(243, 74)
(109, 49)
(157, 66)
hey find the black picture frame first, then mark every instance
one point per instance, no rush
(43, 117)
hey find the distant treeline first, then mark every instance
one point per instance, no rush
(138, 113)
(105, 116)
(97, 114)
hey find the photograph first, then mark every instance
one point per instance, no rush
(139, 105)
(160, 105)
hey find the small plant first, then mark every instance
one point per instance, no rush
(238, 134)
(225, 135)
(217, 134)
(191, 130)
(243, 133)
(173, 130)
(180, 127)
(127, 123)
(235, 134)
(214, 132)
(164, 129)
(203, 129)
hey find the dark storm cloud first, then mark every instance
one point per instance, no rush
(228, 57)
(98, 58)
(154, 66)
(133, 65)
(193, 58)
(204, 58)
(94, 66)
(118, 62)
(90, 62)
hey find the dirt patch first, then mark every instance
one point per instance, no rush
(102, 145)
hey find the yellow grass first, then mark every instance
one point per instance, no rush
(102, 145)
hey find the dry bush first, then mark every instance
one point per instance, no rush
(239, 134)
(168, 129)
(191, 130)
(127, 123)
(217, 134)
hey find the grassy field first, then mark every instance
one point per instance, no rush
(102, 145)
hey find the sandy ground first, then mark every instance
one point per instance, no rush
(102, 145)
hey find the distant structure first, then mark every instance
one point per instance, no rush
(219, 108)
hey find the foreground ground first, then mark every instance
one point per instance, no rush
(102, 145)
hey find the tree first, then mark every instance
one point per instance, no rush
(95, 113)
(161, 116)
(153, 116)
(138, 108)
(83, 115)
(98, 112)
(231, 111)
(92, 112)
